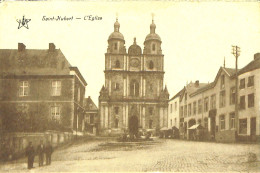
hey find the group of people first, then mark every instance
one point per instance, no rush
(41, 150)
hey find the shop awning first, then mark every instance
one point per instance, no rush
(196, 126)
(164, 128)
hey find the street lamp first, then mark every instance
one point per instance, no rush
(236, 52)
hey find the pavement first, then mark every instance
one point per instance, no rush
(160, 155)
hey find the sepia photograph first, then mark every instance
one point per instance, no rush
(129, 86)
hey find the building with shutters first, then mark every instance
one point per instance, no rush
(134, 95)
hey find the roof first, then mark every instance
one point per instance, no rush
(33, 62)
(178, 94)
(191, 88)
(230, 71)
(152, 36)
(255, 64)
(116, 35)
(89, 105)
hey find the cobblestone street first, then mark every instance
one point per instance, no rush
(158, 155)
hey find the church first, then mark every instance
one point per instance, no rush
(134, 95)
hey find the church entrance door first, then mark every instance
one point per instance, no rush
(133, 125)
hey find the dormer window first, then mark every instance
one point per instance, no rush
(151, 65)
(117, 64)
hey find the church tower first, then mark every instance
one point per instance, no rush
(133, 96)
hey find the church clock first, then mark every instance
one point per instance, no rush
(134, 62)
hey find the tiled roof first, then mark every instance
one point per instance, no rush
(33, 62)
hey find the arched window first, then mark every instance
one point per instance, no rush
(151, 65)
(115, 46)
(116, 123)
(150, 124)
(134, 88)
(117, 64)
(153, 47)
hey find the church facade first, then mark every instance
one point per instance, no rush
(134, 94)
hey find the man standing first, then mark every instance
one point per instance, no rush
(30, 154)
(40, 151)
(48, 151)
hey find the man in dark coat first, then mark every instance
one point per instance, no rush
(48, 151)
(30, 154)
(40, 151)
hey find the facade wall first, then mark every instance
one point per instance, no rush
(40, 99)
(250, 112)
(173, 111)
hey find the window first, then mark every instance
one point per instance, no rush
(206, 123)
(150, 111)
(213, 102)
(151, 65)
(181, 111)
(175, 121)
(250, 81)
(150, 87)
(185, 110)
(199, 106)
(116, 109)
(23, 88)
(222, 99)
(78, 94)
(232, 120)
(171, 122)
(199, 121)
(242, 83)
(171, 108)
(222, 122)
(134, 88)
(117, 64)
(116, 123)
(56, 88)
(115, 46)
(243, 126)
(251, 100)
(153, 47)
(116, 86)
(242, 102)
(55, 113)
(189, 110)
(222, 82)
(232, 95)
(175, 106)
(91, 120)
(150, 124)
(206, 104)
(194, 108)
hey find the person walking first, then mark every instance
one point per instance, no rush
(48, 152)
(30, 154)
(40, 151)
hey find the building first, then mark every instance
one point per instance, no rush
(133, 95)
(39, 90)
(173, 110)
(213, 105)
(91, 116)
(249, 100)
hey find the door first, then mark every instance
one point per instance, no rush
(253, 129)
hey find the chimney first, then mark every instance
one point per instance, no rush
(256, 56)
(197, 83)
(21, 47)
(52, 46)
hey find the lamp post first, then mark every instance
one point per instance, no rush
(236, 53)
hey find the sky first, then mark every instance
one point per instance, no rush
(196, 36)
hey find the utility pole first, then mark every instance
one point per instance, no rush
(236, 53)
